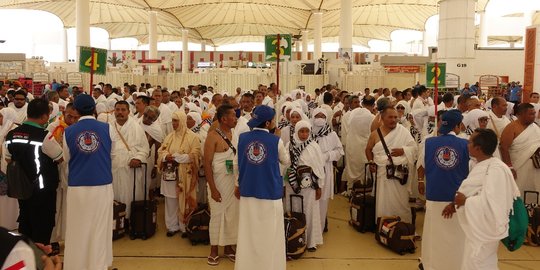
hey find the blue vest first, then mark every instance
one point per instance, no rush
(447, 165)
(258, 165)
(90, 145)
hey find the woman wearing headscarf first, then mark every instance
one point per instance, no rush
(306, 177)
(296, 114)
(476, 118)
(179, 158)
(332, 150)
(9, 206)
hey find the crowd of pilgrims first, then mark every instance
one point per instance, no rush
(326, 132)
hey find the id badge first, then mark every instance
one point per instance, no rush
(229, 166)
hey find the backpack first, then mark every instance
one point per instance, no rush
(19, 185)
(517, 226)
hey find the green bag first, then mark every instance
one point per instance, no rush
(517, 227)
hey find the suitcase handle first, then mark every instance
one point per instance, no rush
(527, 192)
(135, 179)
(301, 200)
(373, 177)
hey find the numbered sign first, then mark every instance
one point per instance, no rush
(271, 47)
(435, 73)
(99, 60)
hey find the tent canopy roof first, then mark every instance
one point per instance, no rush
(223, 22)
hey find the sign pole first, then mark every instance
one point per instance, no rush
(278, 51)
(91, 70)
(436, 97)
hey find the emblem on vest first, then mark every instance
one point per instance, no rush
(88, 141)
(446, 157)
(256, 152)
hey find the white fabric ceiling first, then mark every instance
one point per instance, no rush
(232, 21)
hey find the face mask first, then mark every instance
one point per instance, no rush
(319, 122)
(194, 92)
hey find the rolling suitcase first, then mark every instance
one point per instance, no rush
(362, 204)
(198, 224)
(533, 209)
(295, 231)
(143, 218)
(119, 220)
(395, 234)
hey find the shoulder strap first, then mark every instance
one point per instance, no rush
(385, 146)
(226, 140)
(121, 137)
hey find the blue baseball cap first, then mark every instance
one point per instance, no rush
(84, 103)
(260, 115)
(450, 120)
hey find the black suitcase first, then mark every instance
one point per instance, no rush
(295, 231)
(119, 220)
(533, 209)
(396, 234)
(198, 224)
(143, 218)
(362, 204)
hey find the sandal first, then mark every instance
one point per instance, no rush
(213, 261)
(231, 257)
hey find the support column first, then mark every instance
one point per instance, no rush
(317, 34)
(152, 40)
(185, 53)
(425, 48)
(532, 62)
(483, 39)
(82, 13)
(457, 38)
(203, 45)
(345, 28)
(305, 34)
(65, 57)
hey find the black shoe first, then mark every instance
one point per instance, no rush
(312, 249)
(325, 225)
(171, 233)
(184, 235)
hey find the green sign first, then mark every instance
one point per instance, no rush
(100, 60)
(433, 74)
(271, 50)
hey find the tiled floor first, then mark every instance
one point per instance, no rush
(343, 248)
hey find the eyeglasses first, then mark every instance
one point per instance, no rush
(400, 108)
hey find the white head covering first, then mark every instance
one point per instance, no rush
(300, 125)
(10, 116)
(300, 112)
(316, 111)
(196, 117)
(311, 156)
(470, 120)
(406, 105)
(192, 107)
